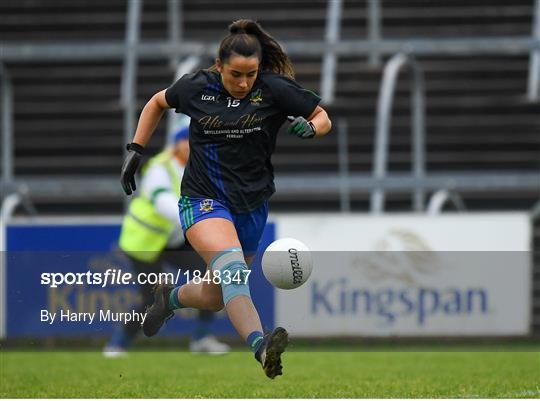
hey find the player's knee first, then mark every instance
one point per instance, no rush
(212, 299)
(233, 275)
(214, 303)
(237, 284)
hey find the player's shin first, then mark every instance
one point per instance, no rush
(234, 274)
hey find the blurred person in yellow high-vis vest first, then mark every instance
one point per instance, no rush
(152, 239)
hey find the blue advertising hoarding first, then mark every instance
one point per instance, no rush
(33, 250)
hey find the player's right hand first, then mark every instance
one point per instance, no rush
(129, 168)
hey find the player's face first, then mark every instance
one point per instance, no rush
(238, 74)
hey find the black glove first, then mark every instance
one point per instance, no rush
(301, 127)
(129, 168)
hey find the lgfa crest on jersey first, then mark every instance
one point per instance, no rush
(206, 205)
(256, 97)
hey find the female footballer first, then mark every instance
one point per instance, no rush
(236, 108)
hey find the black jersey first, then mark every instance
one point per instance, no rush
(232, 140)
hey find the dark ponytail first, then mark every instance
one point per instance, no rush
(247, 38)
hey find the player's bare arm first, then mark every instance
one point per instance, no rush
(319, 118)
(150, 116)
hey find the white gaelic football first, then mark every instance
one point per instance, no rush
(287, 263)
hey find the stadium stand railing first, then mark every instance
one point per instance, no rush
(472, 100)
(65, 61)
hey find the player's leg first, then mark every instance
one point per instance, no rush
(250, 227)
(211, 231)
(209, 223)
(215, 239)
(168, 298)
(202, 340)
(216, 242)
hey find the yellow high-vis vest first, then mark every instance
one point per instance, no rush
(145, 233)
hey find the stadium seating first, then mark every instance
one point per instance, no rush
(68, 119)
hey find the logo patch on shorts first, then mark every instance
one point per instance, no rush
(207, 205)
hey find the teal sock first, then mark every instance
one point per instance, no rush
(174, 302)
(255, 340)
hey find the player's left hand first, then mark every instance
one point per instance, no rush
(301, 127)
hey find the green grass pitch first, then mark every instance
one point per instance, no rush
(378, 374)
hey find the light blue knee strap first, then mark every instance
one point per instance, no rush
(233, 274)
(237, 283)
